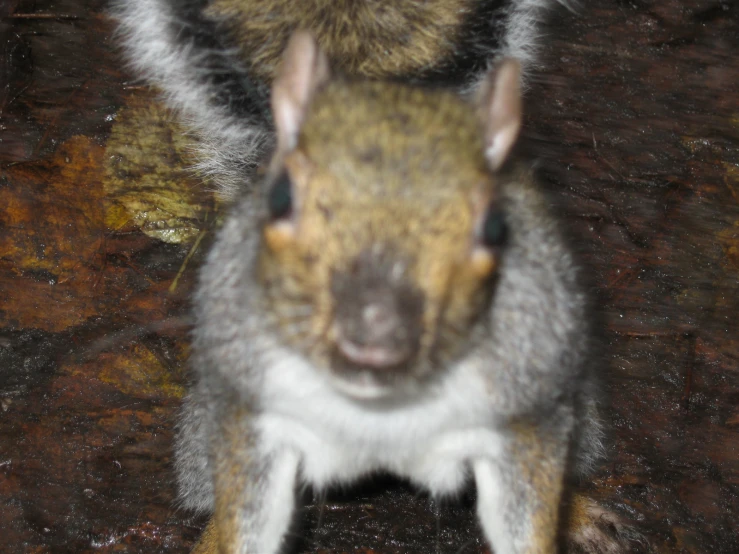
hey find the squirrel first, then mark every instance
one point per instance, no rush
(394, 295)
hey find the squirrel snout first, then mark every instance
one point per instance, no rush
(378, 338)
(378, 315)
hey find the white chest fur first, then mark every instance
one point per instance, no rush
(430, 439)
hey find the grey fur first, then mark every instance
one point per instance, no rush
(228, 116)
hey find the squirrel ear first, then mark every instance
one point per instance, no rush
(499, 101)
(304, 69)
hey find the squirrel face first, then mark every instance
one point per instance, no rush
(383, 228)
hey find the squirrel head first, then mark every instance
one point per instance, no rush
(382, 223)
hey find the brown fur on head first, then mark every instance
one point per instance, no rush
(373, 258)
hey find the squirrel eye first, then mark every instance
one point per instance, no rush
(494, 229)
(280, 197)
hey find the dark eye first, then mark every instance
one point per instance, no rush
(494, 229)
(280, 197)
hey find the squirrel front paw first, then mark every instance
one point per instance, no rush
(594, 529)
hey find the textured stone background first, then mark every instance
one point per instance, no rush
(634, 120)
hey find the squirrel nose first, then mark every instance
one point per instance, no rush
(379, 320)
(378, 312)
(378, 340)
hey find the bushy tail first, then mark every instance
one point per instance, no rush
(172, 45)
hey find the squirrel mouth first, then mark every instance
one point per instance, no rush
(372, 357)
